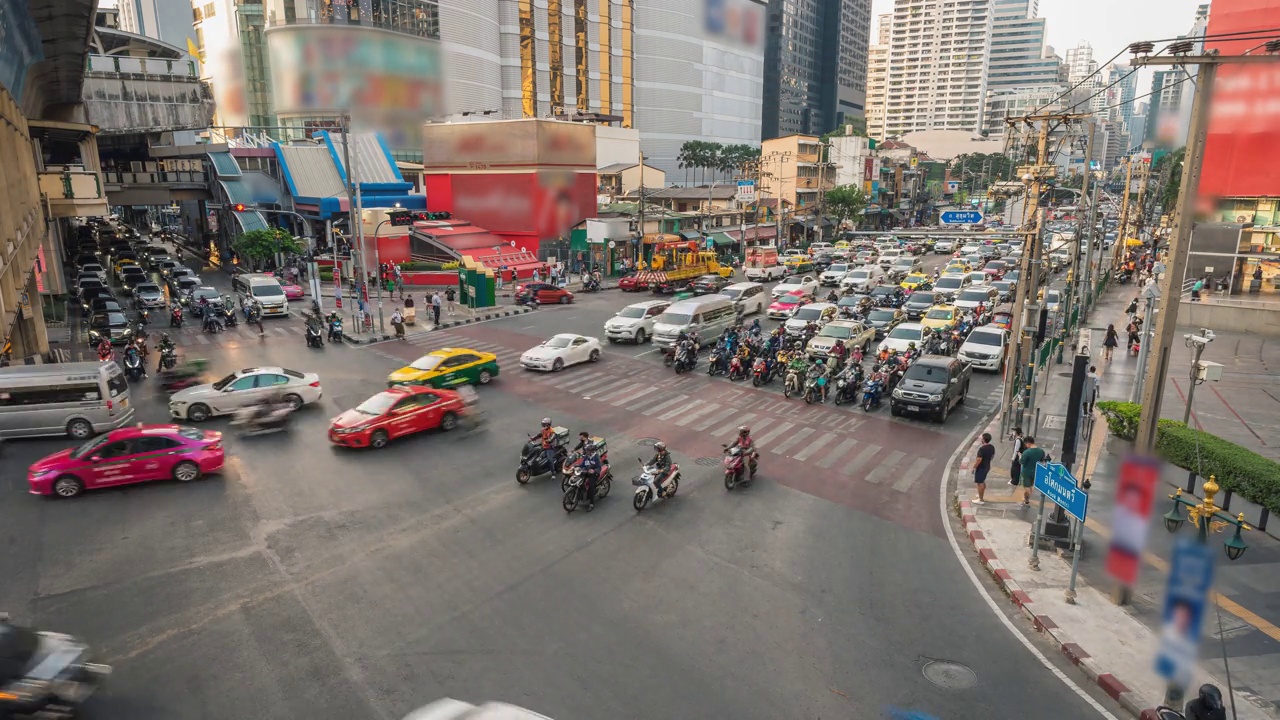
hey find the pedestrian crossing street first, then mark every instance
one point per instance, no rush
(872, 447)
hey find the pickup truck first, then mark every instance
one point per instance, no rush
(931, 386)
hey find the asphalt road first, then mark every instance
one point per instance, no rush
(313, 582)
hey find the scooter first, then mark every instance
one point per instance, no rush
(815, 389)
(533, 461)
(872, 393)
(715, 362)
(335, 330)
(737, 472)
(576, 491)
(175, 317)
(792, 384)
(133, 367)
(847, 385)
(737, 368)
(262, 420)
(313, 337)
(650, 488)
(686, 360)
(761, 372)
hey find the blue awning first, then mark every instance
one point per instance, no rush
(251, 220)
(224, 164)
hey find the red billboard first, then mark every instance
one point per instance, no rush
(1243, 147)
(542, 205)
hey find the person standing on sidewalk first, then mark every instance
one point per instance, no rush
(449, 298)
(1031, 457)
(1110, 342)
(1091, 382)
(1015, 467)
(982, 466)
(435, 306)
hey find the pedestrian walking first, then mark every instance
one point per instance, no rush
(1132, 310)
(982, 466)
(535, 275)
(1015, 467)
(449, 296)
(1091, 382)
(435, 307)
(502, 274)
(1110, 342)
(1031, 457)
(397, 321)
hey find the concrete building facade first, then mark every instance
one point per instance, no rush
(163, 20)
(878, 76)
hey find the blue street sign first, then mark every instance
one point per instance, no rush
(1057, 484)
(961, 217)
(1190, 577)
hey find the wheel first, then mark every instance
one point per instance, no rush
(295, 401)
(730, 479)
(564, 299)
(198, 412)
(448, 422)
(68, 486)
(755, 380)
(594, 356)
(839, 398)
(379, 439)
(80, 429)
(641, 336)
(557, 366)
(564, 482)
(893, 410)
(186, 471)
(570, 502)
(944, 413)
(675, 485)
(641, 499)
(808, 397)
(866, 404)
(522, 475)
(606, 484)
(786, 390)
(484, 378)
(964, 396)
(613, 341)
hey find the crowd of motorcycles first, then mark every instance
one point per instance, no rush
(747, 352)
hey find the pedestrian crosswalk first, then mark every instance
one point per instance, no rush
(191, 335)
(822, 436)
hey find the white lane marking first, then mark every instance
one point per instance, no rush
(772, 433)
(856, 465)
(668, 403)
(642, 391)
(800, 434)
(601, 385)
(645, 401)
(822, 441)
(623, 390)
(973, 577)
(729, 427)
(884, 467)
(911, 474)
(840, 451)
(576, 381)
(680, 410)
(709, 407)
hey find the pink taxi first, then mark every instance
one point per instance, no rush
(128, 455)
(293, 292)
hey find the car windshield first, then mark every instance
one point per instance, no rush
(940, 314)
(927, 373)
(975, 295)
(995, 265)
(905, 333)
(145, 288)
(837, 331)
(267, 291)
(670, 318)
(904, 262)
(559, 341)
(793, 280)
(880, 315)
(204, 292)
(378, 404)
(947, 283)
(922, 298)
(838, 268)
(225, 381)
(809, 313)
(1002, 285)
(981, 337)
(86, 449)
(110, 319)
(426, 362)
(632, 312)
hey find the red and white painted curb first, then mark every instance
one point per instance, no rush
(1109, 683)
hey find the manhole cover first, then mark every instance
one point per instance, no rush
(707, 461)
(1065, 374)
(646, 442)
(949, 675)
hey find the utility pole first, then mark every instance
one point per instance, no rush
(1123, 228)
(1089, 272)
(355, 223)
(1075, 286)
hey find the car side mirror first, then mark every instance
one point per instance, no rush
(95, 459)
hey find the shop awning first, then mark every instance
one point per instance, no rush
(722, 239)
(691, 235)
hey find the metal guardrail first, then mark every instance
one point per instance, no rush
(71, 184)
(155, 178)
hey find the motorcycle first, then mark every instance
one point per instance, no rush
(686, 360)
(106, 353)
(133, 366)
(177, 378)
(571, 461)
(650, 488)
(736, 471)
(210, 324)
(313, 337)
(872, 394)
(262, 419)
(847, 385)
(228, 316)
(335, 330)
(737, 369)
(715, 363)
(578, 486)
(175, 317)
(533, 461)
(792, 382)
(814, 389)
(761, 372)
(168, 358)
(590, 285)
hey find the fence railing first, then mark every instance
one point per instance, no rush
(71, 184)
(155, 178)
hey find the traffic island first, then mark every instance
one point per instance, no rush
(446, 323)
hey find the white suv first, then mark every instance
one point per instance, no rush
(634, 322)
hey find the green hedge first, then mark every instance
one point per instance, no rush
(1238, 469)
(428, 266)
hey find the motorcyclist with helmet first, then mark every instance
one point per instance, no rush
(165, 347)
(104, 349)
(591, 465)
(837, 354)
(547, 435)
(748, 447)
(1207, 706)
(816, 371)
(661, 465)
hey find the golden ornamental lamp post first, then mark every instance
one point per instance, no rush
(1207, 517)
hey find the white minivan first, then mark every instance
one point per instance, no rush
(888, 256)
(78, 399)
(265, 290)
(748, 296)
(635, 322)
(708, 316)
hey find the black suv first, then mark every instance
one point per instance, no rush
(931, 386)
(708, 285)
(918, 303)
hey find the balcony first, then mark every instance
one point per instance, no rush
(155, 186)
(73, 192)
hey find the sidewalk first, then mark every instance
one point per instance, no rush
(1113, 645)
(464, 316)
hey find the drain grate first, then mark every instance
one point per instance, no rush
(646, 442)
(949, 675)
(707, 461)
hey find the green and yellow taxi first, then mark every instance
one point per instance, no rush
(914, 281)
(940, 317)
(956, 267)
(446, 368)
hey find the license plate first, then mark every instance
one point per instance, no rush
(913, 408)
(124, 403)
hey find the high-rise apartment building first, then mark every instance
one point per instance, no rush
(1018, 54)
(939, 54)
(878, 76)
(815, 65)
(164, 20)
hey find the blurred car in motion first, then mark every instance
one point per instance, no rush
(397, 412)
(129, 455)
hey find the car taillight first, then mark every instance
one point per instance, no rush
(315, 384)
(214, 446)
(110, 406)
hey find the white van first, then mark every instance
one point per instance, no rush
(76, 399)
(748, 296)
(862, 279)
(708, 315)
(887, 256)
(635, 322)
(264, 289)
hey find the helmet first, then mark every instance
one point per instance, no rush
(164, 337)
(893, 351)
(743, 431)
(911, 345)
(660, 446)
(546, 422)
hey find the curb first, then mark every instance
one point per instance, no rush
(1115, 688)
(491, 315)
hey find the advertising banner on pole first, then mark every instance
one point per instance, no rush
(1187, 597)
(1135, 497)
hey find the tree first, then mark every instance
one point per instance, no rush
(1168, 170)
(845, 202)
(687, 157)
(260, 245)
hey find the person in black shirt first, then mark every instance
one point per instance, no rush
(982, 466)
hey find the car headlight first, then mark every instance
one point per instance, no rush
(177, 403)
(897, 393)
(42, 473)
(348, 431)
(935, 398)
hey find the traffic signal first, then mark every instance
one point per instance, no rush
(238, 207)
(442, 215)
(401, 219)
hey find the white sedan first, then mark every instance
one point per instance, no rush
(561, 351)
(243, 388)
(807, 283)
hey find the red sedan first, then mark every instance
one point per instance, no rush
(546, 293)
(396, 412)
(632, 283)
(128, 455)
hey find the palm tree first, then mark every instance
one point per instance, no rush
(687, 157)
